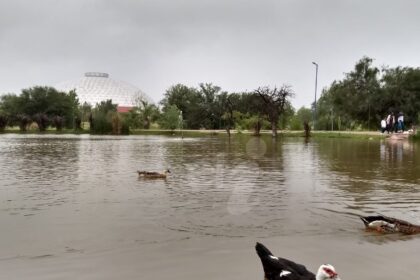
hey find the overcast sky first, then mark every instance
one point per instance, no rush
(235, 44)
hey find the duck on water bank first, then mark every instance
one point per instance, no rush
(384, 224)
(276, 268)
(154, 175)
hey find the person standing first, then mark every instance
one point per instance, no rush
(393, 123)
(389, 122)
(401, 122)
(384, 126)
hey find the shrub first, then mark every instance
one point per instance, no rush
(58, 122)
(100, 124)
(3, 121)
(23, 121)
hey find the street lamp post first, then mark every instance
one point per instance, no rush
(316, 85)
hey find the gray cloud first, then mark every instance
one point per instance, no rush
(238, 45)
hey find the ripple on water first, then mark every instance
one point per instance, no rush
(218, 188)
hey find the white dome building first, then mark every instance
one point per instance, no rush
(95, 87)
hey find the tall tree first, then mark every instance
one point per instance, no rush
(355, 98)
(401, 92)
(226, 111)
(85, 111)
(275, 100)
(211, 107)
(364, 86)
(148, 114)
(189, 101)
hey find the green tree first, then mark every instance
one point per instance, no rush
(119, 124)
(40, 104)
(247, 111)
(134, 119)
(143, 116)
(102, 121)
(354, 99)
(364, 86)
(85, 111)
(300, 117)
(189, 101)
(105, 107)
(211, 113)
(170, 119)
(46, 102)
(286, 116)
(13, 107)
(149, 113)
(401, 92)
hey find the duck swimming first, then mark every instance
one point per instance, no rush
(384, 224)
(276, 268)
(153, 175)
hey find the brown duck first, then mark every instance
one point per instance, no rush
(153, 175)
(386, 224)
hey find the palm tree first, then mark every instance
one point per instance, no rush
(148, 113)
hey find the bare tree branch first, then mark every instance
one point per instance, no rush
(275, 100)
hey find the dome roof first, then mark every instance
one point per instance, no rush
(95, 87)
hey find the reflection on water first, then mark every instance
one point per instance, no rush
(380, 177)
(81, 194)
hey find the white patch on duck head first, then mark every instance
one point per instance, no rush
(327, 271)
(284, 273)
(379, 223)
(274, 258)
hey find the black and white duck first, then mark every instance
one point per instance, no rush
(276, 268)
(384, 224)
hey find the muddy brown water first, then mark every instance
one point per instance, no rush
(72, 207)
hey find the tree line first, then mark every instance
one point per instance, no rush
(44, 106)
(205, 107)
(208, 107)
(363, 97)
(367, 94)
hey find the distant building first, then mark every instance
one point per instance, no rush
(95, 87)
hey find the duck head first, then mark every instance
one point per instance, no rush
(167, 171)
(327, 272)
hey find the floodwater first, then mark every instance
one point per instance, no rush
(73, 207)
